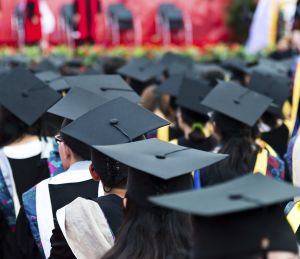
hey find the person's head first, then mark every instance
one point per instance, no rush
(149, 98)
(13, 129)
(111, 65)
(70, 149)
(192, 124)
(111, 173)
(213, 75)
(238, 140)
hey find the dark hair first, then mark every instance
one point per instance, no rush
(237, 140)
(270, 119)
(12, 128)
(151, 233)
(192, 118)
(111, 65)
(113, 174)
(81, 150)
(213, 75)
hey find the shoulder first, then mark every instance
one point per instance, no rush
(275, 167)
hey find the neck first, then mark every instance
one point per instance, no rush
(117, 191)
(187, 130)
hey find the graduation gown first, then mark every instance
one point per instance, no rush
(21, 167)
(32, 22)
(102, 216)
(35, 221)
(86, 25)
(207, 144)
(278, 139)
(272, 166)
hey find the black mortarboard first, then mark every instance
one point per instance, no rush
(114, 122)
(237, 102)
(245, 211)
(171, 85)
(50, 64)
(75, 62)
(59, 84)
(109, 86)
(76, 103)
(275, 86)
(273, 66)
(142, 70)
(176, 64)
(18, 60)
(236, 65)
(157, 164)
(25, 96)
(48, 76)
(191, 94)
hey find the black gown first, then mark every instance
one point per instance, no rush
(60, 195)
(112, 207)
(207, 144)
(278, 139)
(27, 173)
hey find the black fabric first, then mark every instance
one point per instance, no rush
(25, 246)
(212, 174)
(63, 194)
(278, 139)
(207, 144)
(28, 172)
(112, 208)
(30, 10)
(175, 133)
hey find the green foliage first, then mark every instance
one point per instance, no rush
(239, 17)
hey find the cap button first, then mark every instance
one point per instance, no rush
(236, 101)
(160, 156)
(114, 121)
(25, 93)
(235, 197)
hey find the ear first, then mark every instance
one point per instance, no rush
(125, 203)
(93, 173)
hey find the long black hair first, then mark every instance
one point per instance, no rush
(13, 129)
(151, 233)
(238, 141)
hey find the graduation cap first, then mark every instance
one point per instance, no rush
(114, 122)
(275, 86)
(76, 103)
(142, 70)
(191, 94)
(246, 211)
(237, 102)
(274, 66)
(59, 84)
(108, 86)
(171, 86)
(49, 64)
(25, 96)
(48, 76)
(158, 166)
(236, 65)
(176, 64)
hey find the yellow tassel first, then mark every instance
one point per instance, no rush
(274, 23)
(296, 96)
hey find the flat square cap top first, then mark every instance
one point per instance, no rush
(275, 86)
(76, 103)
(48, 76)
(142, 70)
(159, 158)
(191, 93)
(26, 96)
(245, 193)
(108, 86)
(237, 102)
(114, 122)
(171, 86)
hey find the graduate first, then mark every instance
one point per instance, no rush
(193, 118)
(32, 22)
(271, 126)
(244, 217)
(113, 127)
(85, 14)
(25, 150)
(236, 112)
(35, 222)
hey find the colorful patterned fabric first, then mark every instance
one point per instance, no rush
(275, 168)
(289, 156)
(29, 203)
(54, 162)
(7, 204)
